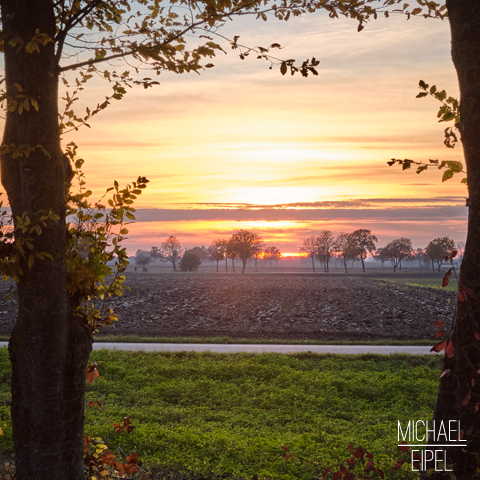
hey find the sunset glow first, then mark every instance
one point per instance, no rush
(242, 146)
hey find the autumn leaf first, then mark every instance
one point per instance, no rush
(287, 456)
(403, 447)
(445, 278)
(286, 448)
(477, 335)
(439, 324)
(326, 471)
(359, 452)
(439, 346)
(350, 447)
(398, 464)
(445, 372)
(450, 350)
(92, 373)
(380, 472)
(440, 333)
(467, 398)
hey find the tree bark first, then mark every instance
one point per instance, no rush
(48, 348)
(453, 400)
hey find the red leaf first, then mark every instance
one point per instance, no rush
(464, 290)
(403, 447)
(326, 471)
(445, 278)
(343, 469)
(286, 448)
(450, 350)
(416, 456)
(473, 382)
(369, 455)
(468, 291)
(399, 464)
(359, 452)
(439, 324)
(467, 398)
(337, 475)
(348, 476)
(380, 473)
(369, 466)
(445, 372)
(287, 456)
(351, 461)
(477, 336)
(350, 447)
(440, 333)
(439, 346)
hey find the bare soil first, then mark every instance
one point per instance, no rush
(281, 306)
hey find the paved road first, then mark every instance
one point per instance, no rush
(232, 348)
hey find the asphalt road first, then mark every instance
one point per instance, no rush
(232, 348)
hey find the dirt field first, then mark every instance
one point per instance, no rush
(273, 306)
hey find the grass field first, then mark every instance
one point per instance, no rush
(423, 282)
(217, 413)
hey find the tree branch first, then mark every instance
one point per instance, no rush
(71, 23)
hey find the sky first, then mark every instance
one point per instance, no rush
(241, 146)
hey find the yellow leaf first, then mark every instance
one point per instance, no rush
(34, 104)
(31, 260)
(18, 87)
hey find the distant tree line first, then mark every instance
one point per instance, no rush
(248, 246)
(359, 244)
(244, 245)
(435, 252)
(347, 246)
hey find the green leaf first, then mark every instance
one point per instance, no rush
(456, 167)
(447, 174)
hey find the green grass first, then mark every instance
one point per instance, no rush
(423, 282)
(231, 413)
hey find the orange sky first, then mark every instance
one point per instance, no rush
(242, 134)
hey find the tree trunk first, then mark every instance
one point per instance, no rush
(453, 401)
(313, 264)
(48, 348)
(363, 264)
(244, 264)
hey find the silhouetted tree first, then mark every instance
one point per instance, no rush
(245, 245)
(310, 248)
(231, 252)
(365, 242)
(155, 253)
(216, 251)
(172, 251)
(272, 253)
(438, 249)
(325, 243)
(143, 258)
(190, 261)
(397, 250)
(346, 245)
